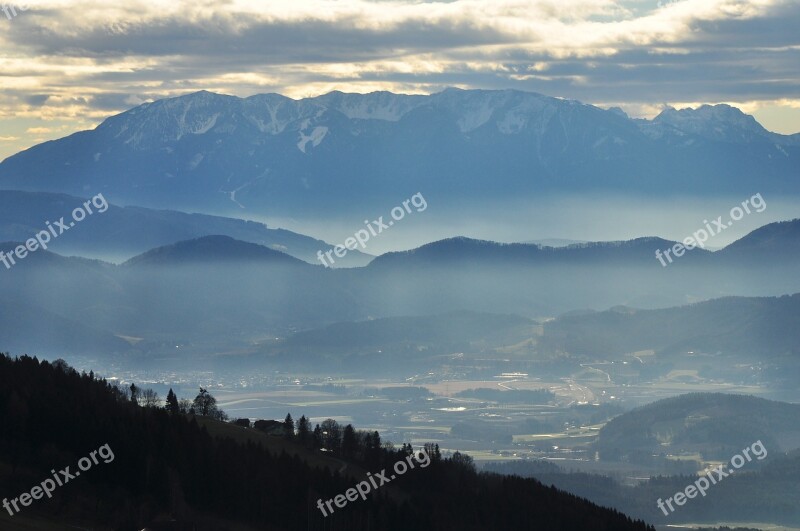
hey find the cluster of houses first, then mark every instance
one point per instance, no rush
(270, 427)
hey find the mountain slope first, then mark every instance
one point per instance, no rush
(776, 242)
(768, 326)
(21, 331)
(716, 425)
(754, 494)
(388, 344)
(452, 327)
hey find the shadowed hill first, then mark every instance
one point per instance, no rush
(717, 425)
(211, 249)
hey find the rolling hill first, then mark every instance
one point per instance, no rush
(715, 425)
(215, 289)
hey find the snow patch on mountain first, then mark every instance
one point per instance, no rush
(475, 119)
(316, 137)
(206, 127)
(512, 123)
(196, 160)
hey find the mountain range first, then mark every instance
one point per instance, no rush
(332, 154)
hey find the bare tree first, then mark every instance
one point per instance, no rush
(150, 398)
(185, 405)
(62, 365)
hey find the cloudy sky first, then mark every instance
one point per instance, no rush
(68, 64)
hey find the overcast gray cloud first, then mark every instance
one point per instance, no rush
(69, 63)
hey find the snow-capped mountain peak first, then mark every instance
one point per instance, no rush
(719, 122)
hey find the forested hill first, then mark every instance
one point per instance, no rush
(167, 466)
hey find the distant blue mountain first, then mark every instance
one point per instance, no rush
(123, 232)
(461, 251)
(272, 155)
(211, 249)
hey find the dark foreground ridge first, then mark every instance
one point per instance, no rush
(168, 467)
